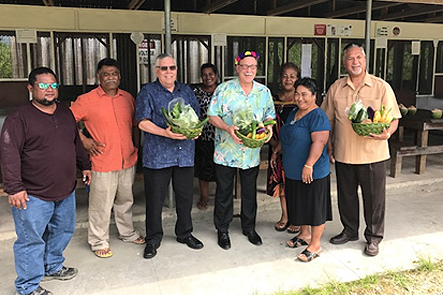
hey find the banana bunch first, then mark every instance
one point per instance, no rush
(383, 116)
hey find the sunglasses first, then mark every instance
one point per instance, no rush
(45, 86)
(165, 68)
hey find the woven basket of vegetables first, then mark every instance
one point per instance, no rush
(182, 119)
(188, 132)
(364, 129)
(366, 120)
(253, 143)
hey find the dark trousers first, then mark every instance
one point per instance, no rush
(156, 187)
(372, 180)
(224, 203)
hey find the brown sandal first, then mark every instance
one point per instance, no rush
(140, 240)
(103, 253)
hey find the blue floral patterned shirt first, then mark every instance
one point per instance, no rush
(159, 151)
(228, 98)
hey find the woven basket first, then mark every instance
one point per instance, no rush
(252, 143)
(190, 133)
(365, 129)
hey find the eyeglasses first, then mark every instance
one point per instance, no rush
(245, 67)
(165, 68)
(45, 86)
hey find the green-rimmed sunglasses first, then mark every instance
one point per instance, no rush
(45, 86)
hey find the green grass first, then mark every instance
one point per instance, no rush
(426, 278)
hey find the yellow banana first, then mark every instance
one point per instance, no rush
(377, 117)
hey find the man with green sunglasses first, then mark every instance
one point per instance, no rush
(40, 153)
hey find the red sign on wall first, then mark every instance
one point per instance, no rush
(320, 29)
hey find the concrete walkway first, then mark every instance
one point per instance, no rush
(413, 228)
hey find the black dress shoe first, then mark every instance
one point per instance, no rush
(192, 242)
(150, 251)
(342, 238)
(253, 237)
(223, 240)
(371, 249)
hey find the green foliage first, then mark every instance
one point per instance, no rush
(5, 61)
(425, 263)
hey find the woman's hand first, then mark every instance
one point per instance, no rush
(306, 174)
(273, 160)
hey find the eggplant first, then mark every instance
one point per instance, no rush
(260, 130)
(371, 113)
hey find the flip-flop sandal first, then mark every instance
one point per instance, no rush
(293, 229)
(307, 256)
(103, 253)
(281, 226)
(140, 240)
(296, 242)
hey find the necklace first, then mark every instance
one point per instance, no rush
(297, 117)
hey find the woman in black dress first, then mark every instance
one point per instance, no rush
(204, 145)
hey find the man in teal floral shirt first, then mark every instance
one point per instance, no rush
(230, 154)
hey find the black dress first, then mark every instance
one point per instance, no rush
(204, 145)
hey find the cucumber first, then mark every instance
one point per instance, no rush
(362, 115)
(202, 123)
(269, 122)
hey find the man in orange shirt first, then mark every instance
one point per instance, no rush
(108, 114)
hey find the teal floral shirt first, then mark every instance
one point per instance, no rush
(228, 98)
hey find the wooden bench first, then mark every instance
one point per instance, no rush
(403, 149)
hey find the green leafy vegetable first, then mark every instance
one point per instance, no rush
(243, 120)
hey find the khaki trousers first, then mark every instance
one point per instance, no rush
(111, 190)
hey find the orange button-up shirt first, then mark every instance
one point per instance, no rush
(109, 120)
(350, 148)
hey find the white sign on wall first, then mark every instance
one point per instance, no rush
(174, 23)
(332, 30)
(415, 48)
(147, 52)
(26, 36)
(381, 42)
(137, 37)
(306, 56)
(219, 39)
(345, 30)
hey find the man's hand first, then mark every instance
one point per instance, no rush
(231, 130)
(385, 135)
(87, 176)
(170, 134)
(19, 200)
(93, 147)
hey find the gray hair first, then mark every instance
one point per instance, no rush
(163, 56)
(352, 45)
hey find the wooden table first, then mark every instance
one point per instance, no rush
(420, 148)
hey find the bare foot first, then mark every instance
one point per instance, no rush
(202, 203)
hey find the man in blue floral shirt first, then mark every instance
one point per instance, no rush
(166, 156)
(230, 154)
